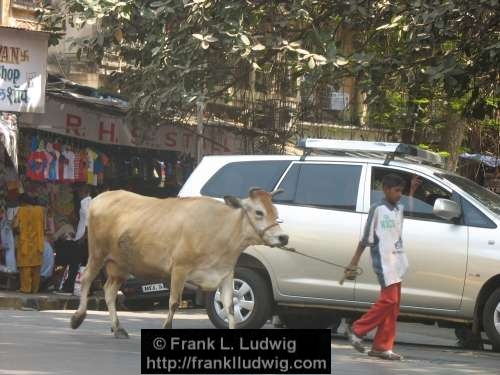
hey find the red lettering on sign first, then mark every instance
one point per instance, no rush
(73, 124)
(171, 139)
(109, 132)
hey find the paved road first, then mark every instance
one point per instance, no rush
(41, 343)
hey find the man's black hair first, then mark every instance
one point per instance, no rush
(26, 199)
(392, 180)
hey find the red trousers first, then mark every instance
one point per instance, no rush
(383, 316)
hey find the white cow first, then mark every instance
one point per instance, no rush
(191, 239)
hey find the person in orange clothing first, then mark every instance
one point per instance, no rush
(30, 223)
(383, 234)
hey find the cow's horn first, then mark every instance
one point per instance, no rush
(277, 191)
(253, 189)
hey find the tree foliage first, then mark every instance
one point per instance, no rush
(414, 61)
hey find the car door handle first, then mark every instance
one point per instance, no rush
(491, 242)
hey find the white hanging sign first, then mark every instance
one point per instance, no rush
(23, 70)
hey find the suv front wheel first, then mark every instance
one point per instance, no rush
(491, 318)
(252, 301)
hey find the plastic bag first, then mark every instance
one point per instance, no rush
(77, 290)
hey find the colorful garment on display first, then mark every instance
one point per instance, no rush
(69, 165)
(81, 166)
(58, 162)
(37, 165)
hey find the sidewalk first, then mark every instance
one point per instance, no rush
(48, 301)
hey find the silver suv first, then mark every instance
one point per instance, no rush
(451, 234)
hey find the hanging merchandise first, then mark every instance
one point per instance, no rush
(81, 166)
(69, 164)
(53, 164)
(62, 162)
(91, 158)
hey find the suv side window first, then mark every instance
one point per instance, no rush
(236, 178)
(422, 203)
(321, 185)
(475, 218)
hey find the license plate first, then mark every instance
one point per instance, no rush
(153, 288)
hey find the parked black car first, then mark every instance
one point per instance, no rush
(140, 294)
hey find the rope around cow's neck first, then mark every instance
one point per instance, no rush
(259, 232)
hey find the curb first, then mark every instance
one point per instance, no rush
(21, 301)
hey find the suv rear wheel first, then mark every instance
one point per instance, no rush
(252, 301)
(491, 318)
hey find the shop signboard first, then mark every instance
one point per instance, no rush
(79, 121)
(23, 70)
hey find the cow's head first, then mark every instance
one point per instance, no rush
(262, 214)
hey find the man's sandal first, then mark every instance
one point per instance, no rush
(386, 354)
(355, 341)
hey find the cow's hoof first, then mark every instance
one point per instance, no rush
(120, 333)
(77, 320)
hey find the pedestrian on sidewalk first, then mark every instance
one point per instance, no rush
(7, 239)
(30, 222)
(73, 250)
(47, 268)
(383, 234)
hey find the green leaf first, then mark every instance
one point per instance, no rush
(155, 51)
(340, 61)
(311, 63)
(319, 59)
(156, 4)
(256, 66)
(396, 19)
(245, 39)
(258, 47)
(302, 51)
(210, 38)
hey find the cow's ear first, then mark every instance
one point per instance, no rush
(233, 201)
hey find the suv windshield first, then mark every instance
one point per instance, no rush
(486, 197)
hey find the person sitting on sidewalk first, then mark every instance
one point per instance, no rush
(73, 250)
(383, 233)
(46, 272)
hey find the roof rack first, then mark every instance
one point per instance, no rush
(370, 149)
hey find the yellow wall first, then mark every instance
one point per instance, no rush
(16, 14)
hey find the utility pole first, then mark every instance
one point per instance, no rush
(199, 130)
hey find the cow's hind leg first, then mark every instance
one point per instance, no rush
(177, 280)
(91, 271)
(227, 291)
(113, 283)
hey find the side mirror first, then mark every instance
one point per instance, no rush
(446, 209)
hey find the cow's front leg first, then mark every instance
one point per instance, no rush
(227, 291)
(177, 280)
